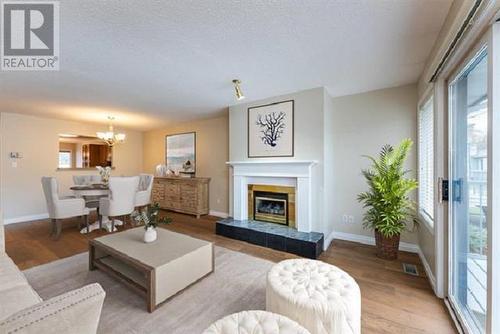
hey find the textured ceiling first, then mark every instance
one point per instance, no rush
(151, 62)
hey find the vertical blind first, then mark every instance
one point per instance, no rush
(426, 160)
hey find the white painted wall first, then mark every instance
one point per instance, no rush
(428, 248)
(37, 139)
(329, 172)
(359, 125)
(308, 114)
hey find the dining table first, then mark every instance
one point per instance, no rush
(91, 193)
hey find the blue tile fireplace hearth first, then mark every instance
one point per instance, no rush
(271, 235)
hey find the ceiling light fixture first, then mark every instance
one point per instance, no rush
(110, 137)
(237, 89)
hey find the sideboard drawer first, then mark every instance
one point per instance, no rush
(158, 192)
(172, 188)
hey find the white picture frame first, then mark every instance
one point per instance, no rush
(180, 153)
(271, 130)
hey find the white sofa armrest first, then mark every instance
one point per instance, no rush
(77, 311)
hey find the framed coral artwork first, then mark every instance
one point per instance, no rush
(270, 130)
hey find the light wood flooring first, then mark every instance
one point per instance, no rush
(392, 301)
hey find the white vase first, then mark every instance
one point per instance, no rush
(150, 235)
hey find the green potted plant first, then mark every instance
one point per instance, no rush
(151, 219)
(389, 208)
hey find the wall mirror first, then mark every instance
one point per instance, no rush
(83, 152)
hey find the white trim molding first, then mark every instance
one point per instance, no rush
(428, 271)
(367, 240)
(291, 173)
(23, 219)
(218, 214)
(328, 240)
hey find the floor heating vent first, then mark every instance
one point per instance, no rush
(410, 269)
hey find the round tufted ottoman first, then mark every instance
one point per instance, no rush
(255, 322)
(321, 297)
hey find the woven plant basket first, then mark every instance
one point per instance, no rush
(387, 248)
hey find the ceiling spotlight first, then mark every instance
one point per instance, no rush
(237, 89)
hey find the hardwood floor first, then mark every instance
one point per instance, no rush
(392, 301)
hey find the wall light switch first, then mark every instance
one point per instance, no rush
(14, 164)
(350, 219)
(15, 155)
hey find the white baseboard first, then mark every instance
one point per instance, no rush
(367, 240)
(328, 240)
(428, 271)
(218, 214)
(23, 219)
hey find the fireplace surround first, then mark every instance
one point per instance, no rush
(294, 179)
(286, 173)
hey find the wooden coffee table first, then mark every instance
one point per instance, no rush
(157, 270)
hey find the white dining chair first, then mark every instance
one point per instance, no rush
(121, 199)
(61, 207)
(82, 180)
(143, 195)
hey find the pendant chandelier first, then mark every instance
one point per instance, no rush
(110, 137)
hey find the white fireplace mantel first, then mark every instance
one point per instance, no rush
(296, 173)
(274, 162)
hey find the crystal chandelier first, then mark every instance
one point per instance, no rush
(110, 137)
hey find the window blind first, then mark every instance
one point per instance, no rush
(426, 160)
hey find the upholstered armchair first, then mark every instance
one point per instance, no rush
(143, 195)
(121, 199)
(60, 207)
(23, 311)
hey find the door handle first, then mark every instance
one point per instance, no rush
(443, 190)
(457, 190)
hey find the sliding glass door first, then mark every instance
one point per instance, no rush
(468, 232)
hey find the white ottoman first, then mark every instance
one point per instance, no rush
(321, 297)
(255, 322)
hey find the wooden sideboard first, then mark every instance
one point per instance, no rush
(185, 195)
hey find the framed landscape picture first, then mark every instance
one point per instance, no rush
(180, 153)
(270, 130)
